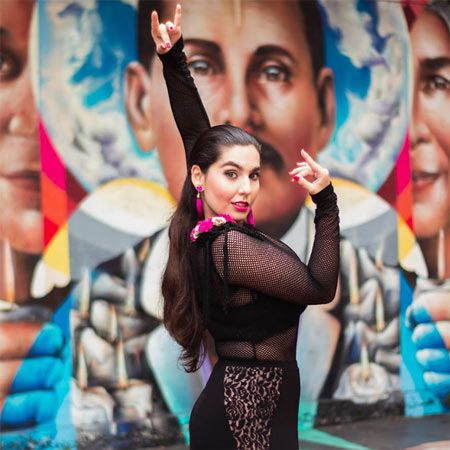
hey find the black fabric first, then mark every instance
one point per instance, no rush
(187, 107)
(211, 421)
(256, 317)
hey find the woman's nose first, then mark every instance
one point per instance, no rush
(245, 187)
(419, 130)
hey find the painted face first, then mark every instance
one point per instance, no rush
(231, 184)
(253, 69)
(20, 212)
(430, 127)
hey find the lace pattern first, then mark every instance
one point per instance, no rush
(251, 395)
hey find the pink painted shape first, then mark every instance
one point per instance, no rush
(51, 163)
(403, 167)
(415, 5)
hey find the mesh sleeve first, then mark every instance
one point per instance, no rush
(272, 270)
(187, 107)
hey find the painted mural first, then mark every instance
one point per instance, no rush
(91, 165)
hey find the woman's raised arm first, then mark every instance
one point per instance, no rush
(187, 107)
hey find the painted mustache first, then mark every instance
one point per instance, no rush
(270, 157)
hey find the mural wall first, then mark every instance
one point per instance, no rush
(91, 166)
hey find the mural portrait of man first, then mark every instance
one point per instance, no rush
(261, 82)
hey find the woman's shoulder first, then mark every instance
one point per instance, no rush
(211, 228)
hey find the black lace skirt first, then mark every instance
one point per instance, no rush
(251, 405)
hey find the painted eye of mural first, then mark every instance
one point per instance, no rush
(9, 66)
(202, 67)
(274, 73)
(435, 83)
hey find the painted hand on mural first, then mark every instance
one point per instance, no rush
(371, 346)
(429, 318)
(30, 345)
(112, 380)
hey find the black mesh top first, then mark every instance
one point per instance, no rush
(252, 288)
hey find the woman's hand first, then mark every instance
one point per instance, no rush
(165, 35)
(318, 176)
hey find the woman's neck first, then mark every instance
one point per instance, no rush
(16, 274)
(436, 251)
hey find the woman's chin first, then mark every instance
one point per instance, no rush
(25, 233)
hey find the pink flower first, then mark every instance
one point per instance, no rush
(203, 226)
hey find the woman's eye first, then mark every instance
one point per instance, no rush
(274, 73)
(255, 176)
(8, 66)
(231, 174)
(201, 67)
(435, 83)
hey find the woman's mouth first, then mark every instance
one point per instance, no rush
(240, 206)
(422, 179)
(25, 179)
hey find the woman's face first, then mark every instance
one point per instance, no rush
(231, 184)
(430, 125)
(20, 193)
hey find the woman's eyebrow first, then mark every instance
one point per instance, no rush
(235, 164)
(231, 163)
(435, 63)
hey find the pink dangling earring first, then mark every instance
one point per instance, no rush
(251, 219)
(199, 203)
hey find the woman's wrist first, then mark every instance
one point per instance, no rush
(323, 194)
(176, 49)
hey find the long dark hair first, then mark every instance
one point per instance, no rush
(182, 315)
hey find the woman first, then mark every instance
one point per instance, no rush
(428, 315)
(226, 278)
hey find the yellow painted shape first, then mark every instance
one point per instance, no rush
(56, 255)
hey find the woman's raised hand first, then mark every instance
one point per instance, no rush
(165, 35)
(319, 176)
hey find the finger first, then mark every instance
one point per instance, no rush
(439, 383)
(35, 340)
(301, 166)
(47, 371)
(177, 17)
(30, 407)
(432, 335)
(434, 360)
(302, 171)
(310, 161)
(430, 307)
(170, 26)
(164, 36)
(303, 183)
(155, 25)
